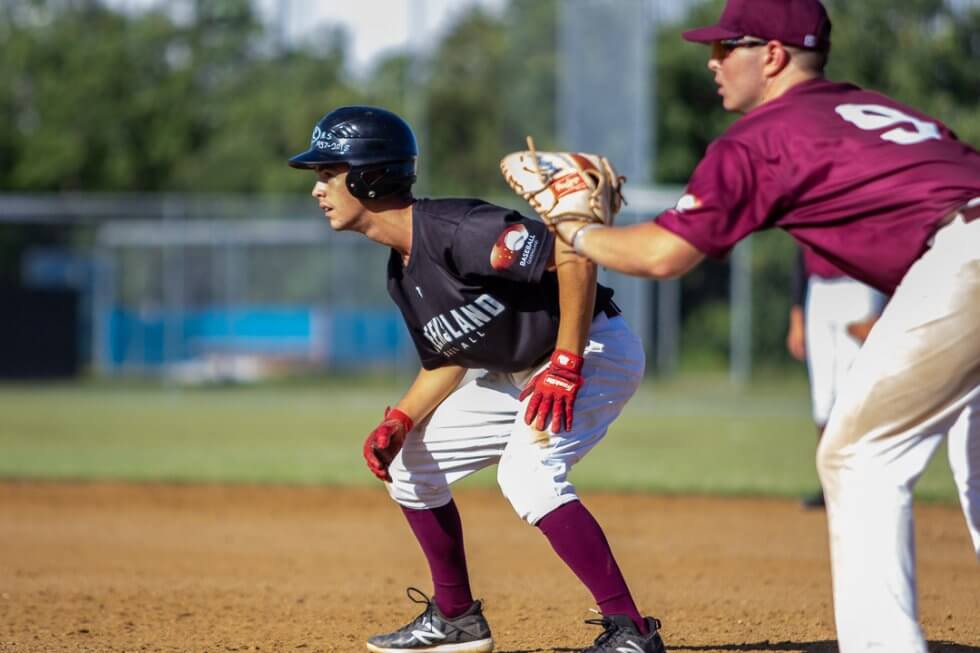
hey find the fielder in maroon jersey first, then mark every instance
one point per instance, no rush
(892, 198)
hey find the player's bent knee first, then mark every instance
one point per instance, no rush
(415, 494)
(533, 489)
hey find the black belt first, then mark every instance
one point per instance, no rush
(610, 310)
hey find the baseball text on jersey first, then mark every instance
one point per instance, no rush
(447, 328)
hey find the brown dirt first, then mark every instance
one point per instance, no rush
(106, 567)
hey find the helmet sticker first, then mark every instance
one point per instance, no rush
(327, 140)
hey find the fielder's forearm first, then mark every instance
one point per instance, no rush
(576, 298)
(642, 250)
(428, 391)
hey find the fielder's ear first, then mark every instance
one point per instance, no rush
(776, 58)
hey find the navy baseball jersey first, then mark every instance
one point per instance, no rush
(476, 292)
(841, 169)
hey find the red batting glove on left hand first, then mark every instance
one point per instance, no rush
(553, 392)
(385, 441)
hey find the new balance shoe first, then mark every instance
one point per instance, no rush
(431, 632)
(620, 636)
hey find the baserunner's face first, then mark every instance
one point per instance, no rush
(739, 74)
(341, 209)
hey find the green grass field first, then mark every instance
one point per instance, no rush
(695, 434)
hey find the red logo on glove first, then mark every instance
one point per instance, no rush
(572, 182)
(553, 392)
(567, 184)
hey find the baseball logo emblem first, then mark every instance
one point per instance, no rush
(505, 250)
(688, 202)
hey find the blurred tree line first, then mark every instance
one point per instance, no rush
(99, 100)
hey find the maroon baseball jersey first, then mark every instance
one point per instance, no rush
(858, 178)
(816, 266)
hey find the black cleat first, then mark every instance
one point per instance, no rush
(813, 501)
(621, 636)
(432, 632)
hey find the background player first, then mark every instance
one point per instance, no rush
(890, 196)
(504, 341)
(830, 317)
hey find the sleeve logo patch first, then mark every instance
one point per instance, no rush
(688, 202)
(514, 240)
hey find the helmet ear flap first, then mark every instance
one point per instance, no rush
(380, 179)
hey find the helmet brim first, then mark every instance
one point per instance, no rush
(313, 158)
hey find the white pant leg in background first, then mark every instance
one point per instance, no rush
(913, 379)
(832, 304)
(964, 459)
(482, 423)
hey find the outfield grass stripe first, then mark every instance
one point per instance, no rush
(694, 435)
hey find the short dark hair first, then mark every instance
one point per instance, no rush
(813, 60)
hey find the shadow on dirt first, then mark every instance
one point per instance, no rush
(806, 647)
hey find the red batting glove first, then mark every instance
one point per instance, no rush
(385, 441)
(553, 392)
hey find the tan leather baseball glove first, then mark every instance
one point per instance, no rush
(564, 186)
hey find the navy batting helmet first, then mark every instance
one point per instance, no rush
(378, 145)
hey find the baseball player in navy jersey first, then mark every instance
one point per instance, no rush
(830, 317)
(892, 198)
(525, 364)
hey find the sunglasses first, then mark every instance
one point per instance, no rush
(727, 45)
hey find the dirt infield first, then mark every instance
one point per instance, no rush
(100, 567)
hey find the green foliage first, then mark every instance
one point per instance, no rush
(154, 105)
(470, 121)
(688, 109)
(210, 104)
(530, 74)
(706, 335)
(84, 114)
(465, 120)
(773, 253)
(924, 55)
(707, 319)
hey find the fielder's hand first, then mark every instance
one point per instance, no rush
(385, 441)
(796, 335)
(553, 392)
(564, 186)
(861, 329)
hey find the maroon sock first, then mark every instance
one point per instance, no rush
(440, 534)
(578, 539)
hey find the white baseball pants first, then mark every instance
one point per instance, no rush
(832, 304)
(916, 378)
(482, 423)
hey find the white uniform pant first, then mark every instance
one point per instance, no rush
(916, 378)
(482, 423)
(832, 304)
